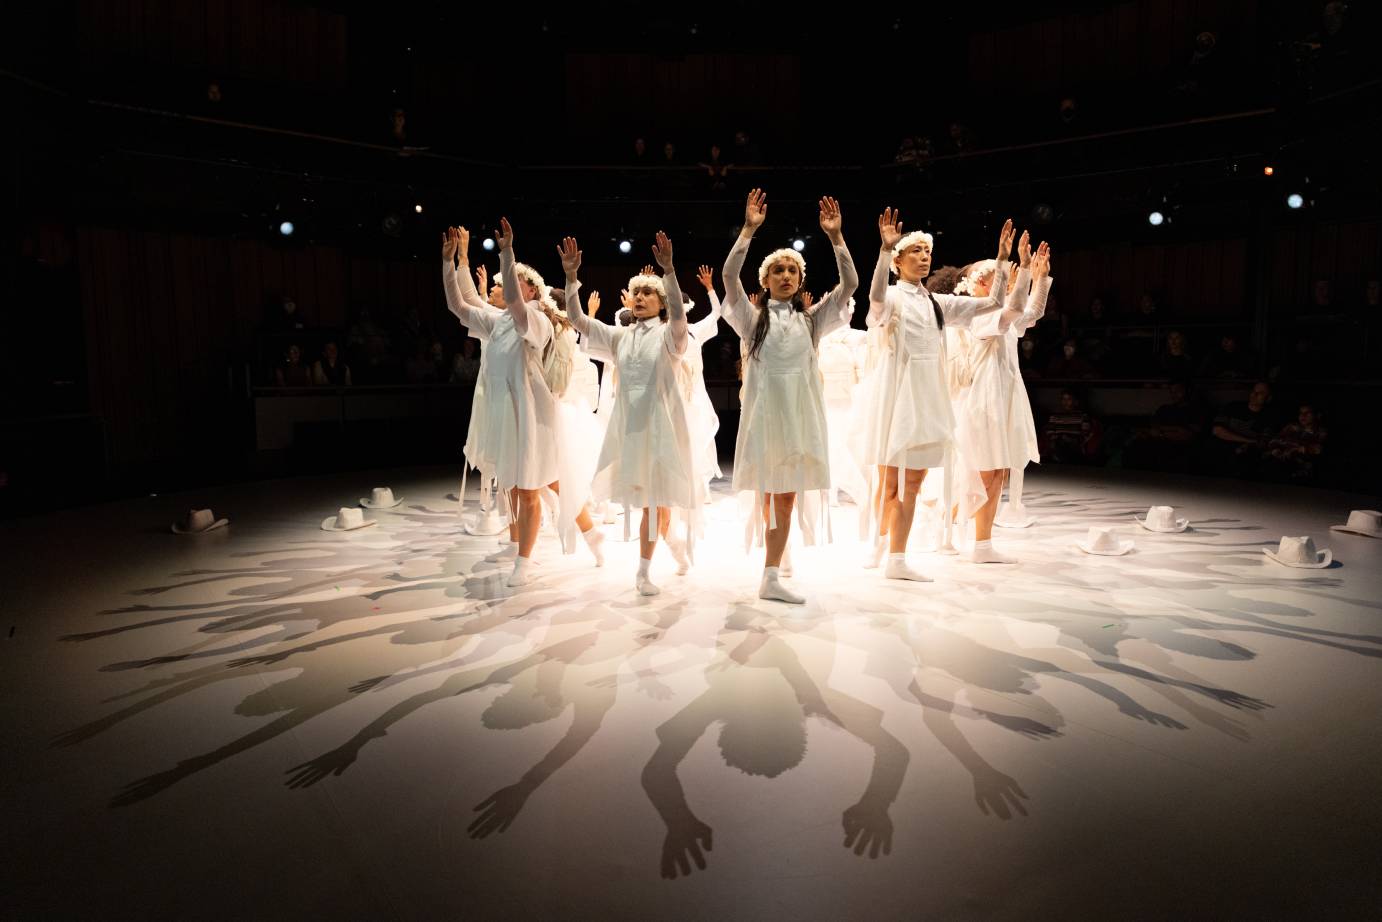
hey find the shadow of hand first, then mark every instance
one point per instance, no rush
(868, 828)
(328, 763)
(993, 791)
(683, 845)
(499, 810)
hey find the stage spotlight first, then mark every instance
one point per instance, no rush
(625, 247)
(489, 244)
(1156, 219)
(798, 244)
(418, 208)
(286, 228)
(1268, 171)
(1295, 201)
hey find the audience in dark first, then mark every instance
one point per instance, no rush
(329, 370)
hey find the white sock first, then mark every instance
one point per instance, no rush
(641, 582)
(984, 553)
(771, 588)
(594, 539)
(875, 553)
(520, 574)
(897, 569)
(678, 548)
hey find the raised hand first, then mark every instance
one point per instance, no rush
(625, 299)
(504, 236)
(706, 277)
(592, 303)
(662, 252)
(756, 299)
(449, 243)
(648, 270)
(831, 219)
(1005, 240)
(1041, 262)
(482, 281)
(890, 228)
(755, 210)
(570, 256)
(807, 299)
(1024, 250)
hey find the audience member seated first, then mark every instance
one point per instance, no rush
(1228, 361)
(1069, 364)
(1175, 363)
(717, 171)
(1296, 452)
(330, 370)
(292, 372)
(1072, 435)
(1164, 443)
(1240, 433)
(377, 366)
(1028, 349)
(425, 365)
(465, 367)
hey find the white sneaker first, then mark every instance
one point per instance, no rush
(644, 585)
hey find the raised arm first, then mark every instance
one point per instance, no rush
(513, 298)
(961, 310)
(889, 233)
(834, 308)
(676, 310)
(471, 315)
(736, 305)
(570, 255)
(1041, 287)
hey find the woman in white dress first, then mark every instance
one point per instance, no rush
(907, 425)
(991, 430)
(521, 427)
(1013, 514)
(783, 448)
(646, 460)
(705, 422)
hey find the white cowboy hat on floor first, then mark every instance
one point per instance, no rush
(1362, 522)
(347, 519)
(1300, 552)
(490, 522)
(1163, 519)
(197, 521)
(1011, 516)
(1104, 542)
(381, 498)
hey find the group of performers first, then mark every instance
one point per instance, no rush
(933, 386)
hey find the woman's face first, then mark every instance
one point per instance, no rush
(294, 355)
(784, 279)
(329, 353)
(914, 263)
(646, 303)
(982, 286)
(1306, 417)
(496, 295)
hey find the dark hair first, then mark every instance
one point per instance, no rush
(944, 280)
(760, 327)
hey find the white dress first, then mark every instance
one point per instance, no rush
(703, 419)
(520, 430)
(646, 459)
(783, 446)
(992, 430)
(842, 359)
(906, 419)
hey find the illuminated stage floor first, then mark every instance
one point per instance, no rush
(273, 721)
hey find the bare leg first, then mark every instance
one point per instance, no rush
(904, 509)
(647, 544)
(529, 507)
(983, 519)
(593, 539)
(771, 587)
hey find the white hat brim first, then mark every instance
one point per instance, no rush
(1025, 522)
(369, 505)
(329, 524)
(1353, 531)
(201, 531)
(1181, 525)
(1123, 548)
(1326, 557)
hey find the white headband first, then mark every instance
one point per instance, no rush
(911, 239)
(977, 271)
(648, 281)
(773, 257)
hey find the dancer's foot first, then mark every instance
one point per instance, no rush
(875, 554)
(522, 572)
(508, 550)
(771, 588)
(897, 569)
(678, 548)
(984, 553)
(645, 586)
(595, 540)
